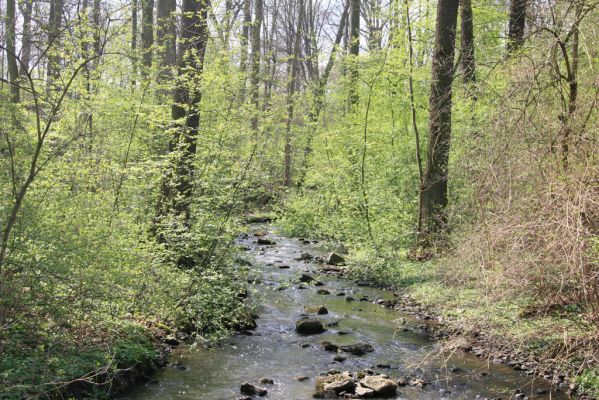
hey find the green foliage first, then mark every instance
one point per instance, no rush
(588, 382)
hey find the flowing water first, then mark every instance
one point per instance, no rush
(276, 351)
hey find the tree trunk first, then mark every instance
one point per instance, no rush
(255, 61)
(354, 50)
(434, 186)
(413, 105)
(11, 38)
(55, 24)
(27, 10)
(166, 37)
(516, 24)
(134, 60)
(244, 42)
(147, 34)
(271, 57)
(177, 185)
(572, 75)
(294, 58)
(467, 44)
(97, 20)
(374, 20)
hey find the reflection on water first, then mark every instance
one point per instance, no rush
(277, 352)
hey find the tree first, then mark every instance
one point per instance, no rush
(55, 25)
(433, 193)
(177, 184)
(134, 60)
(11, 50)
(255, 60)
(373, 15)
(517, 24)
(166, 36)
(26, 8)
(293, 54)
(244, 39)
(147, 34)
(318, 91)
(354, 50)
(467, 43)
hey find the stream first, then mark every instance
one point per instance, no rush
(276, 351)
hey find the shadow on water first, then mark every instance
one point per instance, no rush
(276, 351)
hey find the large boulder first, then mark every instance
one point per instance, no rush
(381, 386)
(308, 326)
(358, 349)
(335, 259)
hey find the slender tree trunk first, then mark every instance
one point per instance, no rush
(294, 59)
(147, 34)
(517, 24)
(354, 50)
(467, 44)
(55, 25)
(177, 185)
(413, 107)
(434, 188)
(244, 41)
(26, 9)
(11, 38)
(97, 21)
(255, 61)
(271, 58)
(134, 60)
(572, 86)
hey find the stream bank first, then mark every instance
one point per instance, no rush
(401, 342)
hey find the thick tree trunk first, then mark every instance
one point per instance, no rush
(467, 43)
(147, 34)
(517, 24)
(434, 185)
(354, 50)
(11, 38)
(255, 61)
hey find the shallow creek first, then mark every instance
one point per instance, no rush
(276, 351)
